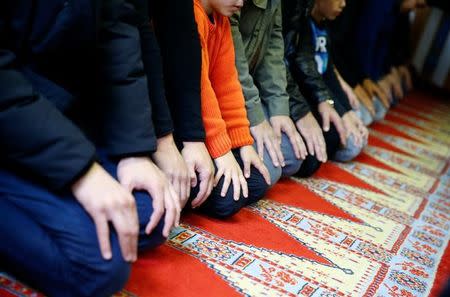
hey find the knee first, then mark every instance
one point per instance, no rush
(228, 210)
(104, 278)
(292, 164)
(274, 172)
(224, 209)
(309, 166)
(257, 189)
(379, 114)
(332, 141)
(365, 116)
(292, 167)
(348, 153)
(145, 210)
(82, 262)
(380, 111)
(114, 276)
(257, 186)
(152, 240)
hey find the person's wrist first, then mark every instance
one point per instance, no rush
(131, 160)
(95, 167)
(223, 156)
(301, 123)
(328, 101)
(258, 122)
(164, 142)
(192, 143)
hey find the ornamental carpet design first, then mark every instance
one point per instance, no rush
(378, 226)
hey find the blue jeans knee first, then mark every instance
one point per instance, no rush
(349, 152)
(380, 110)
(364, 114)
(292, 164)
(274, 172)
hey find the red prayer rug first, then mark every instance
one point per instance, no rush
(378, 226)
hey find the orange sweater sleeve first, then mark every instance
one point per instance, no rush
(225, 82)
(217, 140)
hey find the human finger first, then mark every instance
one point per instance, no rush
(158, 210)
(272, 154)
(236, 186)
(226, 184)
(102, 229)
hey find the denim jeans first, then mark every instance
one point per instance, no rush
(380, 110)
(334, 150)
(292, 164)
(223, 207)
(49, 241)
(349, 152)
(364, 114)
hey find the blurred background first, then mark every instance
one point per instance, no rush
(430, 32)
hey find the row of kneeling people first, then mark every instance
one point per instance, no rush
(116, 115)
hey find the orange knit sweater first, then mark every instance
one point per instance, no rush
(223, 107)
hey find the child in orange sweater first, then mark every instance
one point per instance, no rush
(224, 116)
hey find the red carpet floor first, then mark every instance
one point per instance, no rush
(378, 226)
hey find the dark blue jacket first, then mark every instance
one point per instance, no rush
(373, 36)
(345, 47)
(71, 78)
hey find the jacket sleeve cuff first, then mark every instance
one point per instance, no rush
(255, 114)
(299, 111)
(339, 108)
(322, 96)
(163, 131)
(78, 173)
(279, 108)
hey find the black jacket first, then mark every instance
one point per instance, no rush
(70, 69)
(300, 53)
(291, 10)
(180, 48)
(298, 106)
